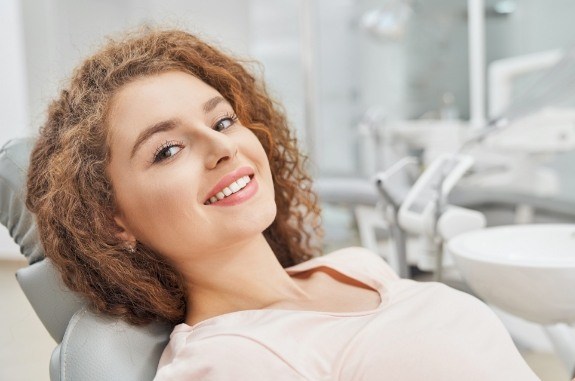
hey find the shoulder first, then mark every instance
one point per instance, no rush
(360, 260)
(356, 254)
(222, 357)
(357, 262)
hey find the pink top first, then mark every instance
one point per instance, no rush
(420, 331)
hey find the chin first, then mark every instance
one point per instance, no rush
(264, 219)
(255, 221)
(268, 215)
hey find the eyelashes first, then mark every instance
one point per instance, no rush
(225, 122)
(170, 148)
(167, 150)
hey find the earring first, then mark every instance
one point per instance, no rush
(131, 249)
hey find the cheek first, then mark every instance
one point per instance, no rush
(259, 156)
(155, 207)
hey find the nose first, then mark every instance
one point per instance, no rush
(220, 148)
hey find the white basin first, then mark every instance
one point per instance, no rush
(527, 270)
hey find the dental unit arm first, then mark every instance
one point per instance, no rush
(425, 212)
(391, 205)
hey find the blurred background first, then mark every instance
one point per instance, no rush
(328, 61)
(357, 78)
(335, 64)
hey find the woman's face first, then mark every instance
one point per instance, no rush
(178, 154)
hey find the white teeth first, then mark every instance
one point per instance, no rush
(230, 189)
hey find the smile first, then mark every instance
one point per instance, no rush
(234, 188)
(229, 190)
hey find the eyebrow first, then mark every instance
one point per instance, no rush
(170, 124)
(164, 125)
(212, 103)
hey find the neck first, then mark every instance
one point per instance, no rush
(245, 277)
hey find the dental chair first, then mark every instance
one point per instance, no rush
(90, 347)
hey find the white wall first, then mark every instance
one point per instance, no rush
(13, 97)
(13, 102)
(60, 33)
(275, 41)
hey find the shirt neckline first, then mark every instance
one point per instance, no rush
(379, 287)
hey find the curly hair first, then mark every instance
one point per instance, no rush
(73, 199)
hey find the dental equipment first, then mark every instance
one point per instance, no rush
(476, 52)
(528, 271)
(553, 88)
(425, 208)
(391, 206)
(427, 197)
(371, 140)
(503, 72)
(389, 21)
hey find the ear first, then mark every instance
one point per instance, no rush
(124, 232)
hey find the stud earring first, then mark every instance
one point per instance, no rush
(131, 248)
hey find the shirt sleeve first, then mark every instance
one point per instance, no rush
(227, 357)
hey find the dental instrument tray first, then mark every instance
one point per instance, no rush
(418, 212)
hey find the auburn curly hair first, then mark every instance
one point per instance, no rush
(73, 199)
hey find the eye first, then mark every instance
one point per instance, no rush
(225, 122)
(167, 150)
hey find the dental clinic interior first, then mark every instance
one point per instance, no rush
(440, 134)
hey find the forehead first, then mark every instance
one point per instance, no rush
(169, 86)
(153, 98)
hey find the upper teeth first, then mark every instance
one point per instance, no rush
(230, 189)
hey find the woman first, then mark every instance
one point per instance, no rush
(167, 186)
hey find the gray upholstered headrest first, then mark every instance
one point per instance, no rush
(54, 304)
(93, 348)
(14, 158)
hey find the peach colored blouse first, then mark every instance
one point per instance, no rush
(420, 331)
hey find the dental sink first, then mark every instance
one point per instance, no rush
(527, 270)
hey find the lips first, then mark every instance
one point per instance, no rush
(230, 184)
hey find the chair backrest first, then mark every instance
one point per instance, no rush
(90, 347)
